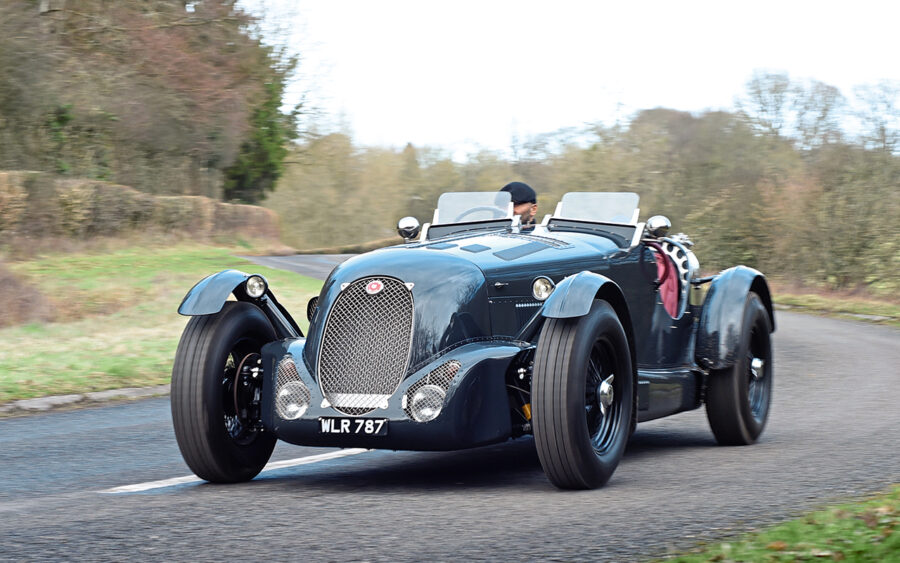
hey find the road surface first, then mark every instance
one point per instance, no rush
(832, 434)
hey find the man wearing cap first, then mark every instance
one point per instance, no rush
(524, 201)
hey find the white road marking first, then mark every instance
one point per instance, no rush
(141, 487)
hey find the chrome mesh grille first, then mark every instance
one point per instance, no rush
(442, 376)
(366, 345)
(286, 372)
(298, 393)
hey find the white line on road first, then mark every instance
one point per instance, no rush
(141, 487)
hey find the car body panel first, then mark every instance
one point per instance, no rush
(451, 304)
(475, 413)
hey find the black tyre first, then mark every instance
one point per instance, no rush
(215, 394)
(583, 397)
(738, 398)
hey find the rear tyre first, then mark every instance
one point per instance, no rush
(738, 397)
(215, 394)
(583, 397)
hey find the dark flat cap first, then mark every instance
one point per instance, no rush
(520, 192)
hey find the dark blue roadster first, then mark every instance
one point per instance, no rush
(476, 330)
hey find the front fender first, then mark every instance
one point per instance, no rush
(574, 295)
(722, 316)
(209, 295)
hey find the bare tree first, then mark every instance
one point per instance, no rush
(878, 109)
(818, 108)
(766, 102)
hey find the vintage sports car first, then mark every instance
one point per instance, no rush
(477, 331)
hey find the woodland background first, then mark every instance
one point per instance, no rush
(176, 99)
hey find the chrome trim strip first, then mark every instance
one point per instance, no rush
(359, 400)
(638, 234)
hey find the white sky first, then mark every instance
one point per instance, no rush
(467, 74)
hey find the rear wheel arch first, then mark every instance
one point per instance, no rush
(722, 314)
(760, 287)
(738, 397)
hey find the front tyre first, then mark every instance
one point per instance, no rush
(216, 383)
(737, 398)
(583, 396)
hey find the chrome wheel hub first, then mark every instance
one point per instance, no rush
(605, 394)
(756, 367)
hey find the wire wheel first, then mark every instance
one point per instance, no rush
(216, 388)
(582, 397)
(600, 402)
(738, 398)
(241, 393)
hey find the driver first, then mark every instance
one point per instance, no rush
(524, 201)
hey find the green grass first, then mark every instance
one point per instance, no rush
(868, 530)
(839, 305)
(120, 327)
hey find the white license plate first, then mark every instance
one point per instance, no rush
(366, 426)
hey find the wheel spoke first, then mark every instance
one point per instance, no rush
(600, 397)
(595, 374)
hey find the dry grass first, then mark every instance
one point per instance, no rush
(19, 302)
(117, 324)
(857, 302)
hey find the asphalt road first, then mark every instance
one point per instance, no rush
(832, 434)
(313, 265)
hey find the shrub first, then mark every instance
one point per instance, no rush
(13, 198)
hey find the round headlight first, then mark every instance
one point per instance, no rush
(292, 400)
(256, 286)
(542, 288)
(426, 403)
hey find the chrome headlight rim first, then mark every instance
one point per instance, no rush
(542, 287)
(256, 286)
(292, 400)
(433, 396)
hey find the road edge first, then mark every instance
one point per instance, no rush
(61, 402)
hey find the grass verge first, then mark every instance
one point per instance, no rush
(860, 531)
(119, 323)
(856, 306)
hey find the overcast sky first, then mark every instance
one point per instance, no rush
(467, 74)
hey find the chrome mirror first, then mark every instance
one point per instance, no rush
(658, 226)
(408, 228)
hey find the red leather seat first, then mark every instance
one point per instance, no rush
(667, 274)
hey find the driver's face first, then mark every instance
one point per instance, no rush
(526, 210)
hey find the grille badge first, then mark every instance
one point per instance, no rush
(374, 286)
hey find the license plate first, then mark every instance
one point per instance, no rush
(365, 426)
